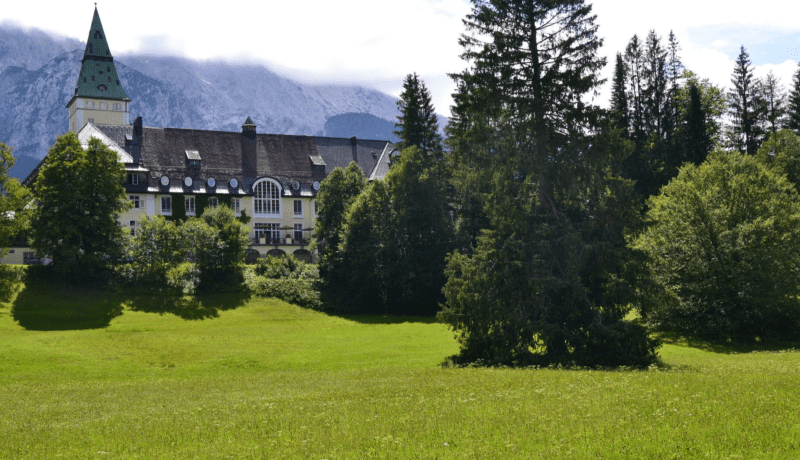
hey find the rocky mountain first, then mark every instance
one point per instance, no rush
(172, 92)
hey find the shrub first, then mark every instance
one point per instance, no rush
(272, 278)
(724, 240)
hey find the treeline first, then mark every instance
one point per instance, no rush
(545, 221)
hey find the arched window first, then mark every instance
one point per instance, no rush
(266, 198)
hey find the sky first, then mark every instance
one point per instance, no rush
(375, 43)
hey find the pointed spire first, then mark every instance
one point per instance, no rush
(249, 121)
(98, 77)
(96, 44)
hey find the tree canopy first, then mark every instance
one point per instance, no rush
(540, 284)
(417, 122)
(79, 196)
(14, 201)
(724, 240)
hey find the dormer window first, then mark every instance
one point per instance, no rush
(193, 157)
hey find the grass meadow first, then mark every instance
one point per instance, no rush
(96, 375)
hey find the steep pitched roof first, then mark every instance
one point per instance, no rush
(98, 77)
(90, 131)
(368, 154)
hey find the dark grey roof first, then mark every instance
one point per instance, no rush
(285, 158)
(338, 152)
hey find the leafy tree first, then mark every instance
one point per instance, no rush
(793, 111)
(336, 193)
(14, 199)
(418, 124)
(157, 247)
(79, 196)
(773, 96)
(541, 284)
(782, 153)
(745, 108)
(395, 239)
(724, 239)
(220, 249)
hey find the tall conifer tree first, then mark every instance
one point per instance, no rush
(619, 100)
(540, 285)
(793, 115)
(744, 108)
(773, 97)
(417, 123)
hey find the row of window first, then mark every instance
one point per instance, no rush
(236, 205)
(116, 106)
(270, 233)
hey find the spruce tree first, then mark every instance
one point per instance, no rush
(541, 285)
(619, 100)
(773, 97)
(744, 107)
(793, 112)
(695, 139)
(417, 123)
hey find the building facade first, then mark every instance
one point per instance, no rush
(176, 173)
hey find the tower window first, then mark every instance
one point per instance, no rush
(100, 87)
(92, 77)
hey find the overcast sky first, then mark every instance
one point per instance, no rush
(376, 43)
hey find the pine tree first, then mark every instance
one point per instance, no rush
(696, 140)
(745, 133)
(655, 86)
(793, 112)
(634, 58)
(773, 96)
(674, 74)
(417, 123)
(541, 285)
(619, 100)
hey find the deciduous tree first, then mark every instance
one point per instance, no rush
(79, 196)
(724, 239)
(14, 201)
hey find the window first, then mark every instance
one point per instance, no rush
(236, 205)
(270, 232)
(213, 202)
(91, 120)
(133, 179)
(103, 105)
(298, 208)
(189, 205)
(134, 201)
(117, 106)
(90, 105)
(166, 205)
(298, 233)
(133, 228)
(267, 199)
(316, 208)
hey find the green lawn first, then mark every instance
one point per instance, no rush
(270, 380)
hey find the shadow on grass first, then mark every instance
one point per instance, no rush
(11, 277)
(201, 306)
(384, 319)
(726, 347)
(48, 304)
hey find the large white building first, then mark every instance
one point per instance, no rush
(175, 173)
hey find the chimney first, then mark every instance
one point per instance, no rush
(354, 146)
(249, 154)
(136, 141)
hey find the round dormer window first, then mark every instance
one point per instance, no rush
(211, 182)
(233, 182)
(315, 185)
(164, 180)
(296, 185)
(187, 181)
(101, 87)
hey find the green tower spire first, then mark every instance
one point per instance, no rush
(98, 77)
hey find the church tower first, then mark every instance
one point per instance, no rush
(99, 97)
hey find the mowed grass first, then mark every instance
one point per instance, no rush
(271, 380)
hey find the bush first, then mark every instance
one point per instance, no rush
(285, 278)
(724, 241)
